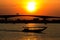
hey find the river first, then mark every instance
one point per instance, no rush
(51, 33)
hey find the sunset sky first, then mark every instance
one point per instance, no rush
(31, 7)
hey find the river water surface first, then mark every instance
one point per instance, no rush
(51, 33)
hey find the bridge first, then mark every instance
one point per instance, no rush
(43, 17)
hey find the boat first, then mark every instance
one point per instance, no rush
(34, 29)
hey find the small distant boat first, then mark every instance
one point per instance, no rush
(34, 29)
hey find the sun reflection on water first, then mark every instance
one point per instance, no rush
(31, 37)
(32, 26)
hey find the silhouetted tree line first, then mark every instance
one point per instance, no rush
(29, 21)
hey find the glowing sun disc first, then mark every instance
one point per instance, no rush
(31, 6)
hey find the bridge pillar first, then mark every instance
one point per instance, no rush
(6, 20)
(45, 20)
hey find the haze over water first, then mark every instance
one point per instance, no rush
(51, 33)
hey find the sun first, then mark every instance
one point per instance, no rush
(31, 6)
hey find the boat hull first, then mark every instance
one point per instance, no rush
(38, 30)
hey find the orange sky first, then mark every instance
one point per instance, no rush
(44, 7)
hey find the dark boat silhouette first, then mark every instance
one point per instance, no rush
(34, 29)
